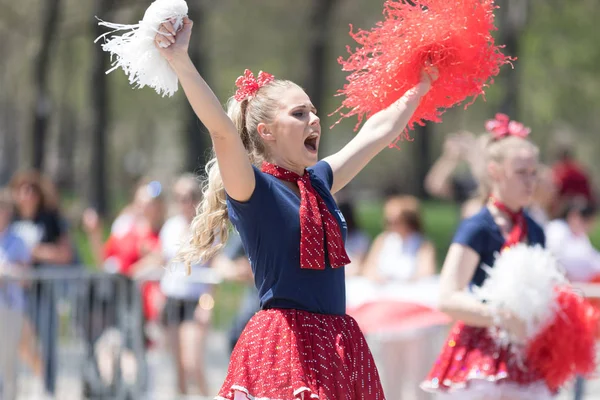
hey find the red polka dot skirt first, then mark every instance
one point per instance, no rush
(472, 355)
(291, 354)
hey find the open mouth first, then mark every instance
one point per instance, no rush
(311, 143)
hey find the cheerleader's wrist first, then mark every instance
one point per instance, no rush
(498, 318)
(180, 61)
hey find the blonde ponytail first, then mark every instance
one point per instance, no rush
(209, 228)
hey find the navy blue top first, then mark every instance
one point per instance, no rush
(269, 226)
(481, 233)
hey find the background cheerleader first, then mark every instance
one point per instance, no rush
(472, 365)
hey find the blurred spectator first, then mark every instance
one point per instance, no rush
(134, 242)
(544, 197)
(130, 251)
(135, 245)
(568, 238)
(357, 241)
(14, 259)
(570, 178)
(132, 211)
(188, 308)
(39, 223)
(401, 252)
(38, 220)
(443, 181)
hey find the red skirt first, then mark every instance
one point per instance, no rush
(472, 355)
(287, 354)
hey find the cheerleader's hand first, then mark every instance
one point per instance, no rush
(173, 43)
(515, 326)
(429, 74)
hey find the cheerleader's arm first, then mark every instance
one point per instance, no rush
(234, 166)
(377, 133)
(459, 267)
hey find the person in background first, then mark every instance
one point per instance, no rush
(131, 212)
(39, 223)
(443, 181)
(130, 251)
(571, 180)
(401, 253)
(15, 259)
(38, 220)
(568, 239)
(357, 241)
(544, 197)
(134, 247)
(462, 370)
(189, 302)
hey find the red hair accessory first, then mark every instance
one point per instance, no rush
(248, 85)
(502, 126)
(454, 36)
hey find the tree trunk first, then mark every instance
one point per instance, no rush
(318, 26)
(99, 120)
(422, 162)
(9, 150)
(67, 127)
(67, 141)
(514, 15)
(42, 71)
(9, 144)
(196, 135)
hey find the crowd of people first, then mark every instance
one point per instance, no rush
(146, 235)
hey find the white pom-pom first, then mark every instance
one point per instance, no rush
(523, 282)
(135, 51)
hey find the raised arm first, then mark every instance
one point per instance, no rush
(234, 165)
(376, 134)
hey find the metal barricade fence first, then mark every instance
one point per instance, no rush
(62, 315)
(66, 333)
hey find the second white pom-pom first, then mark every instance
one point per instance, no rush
(523, 282)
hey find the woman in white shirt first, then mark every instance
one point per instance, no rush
(188, 308)
(401, 263)
(401, 253)
(568, 238)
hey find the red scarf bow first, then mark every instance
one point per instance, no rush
(519, 224)
(317, 225)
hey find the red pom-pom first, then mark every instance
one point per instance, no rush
(566, 348)
(454, 36)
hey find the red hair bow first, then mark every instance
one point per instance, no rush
(502, 126)
(248, 85)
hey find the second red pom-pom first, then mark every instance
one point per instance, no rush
(454, 36)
